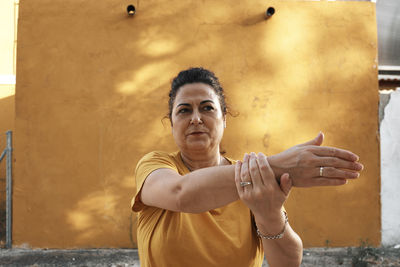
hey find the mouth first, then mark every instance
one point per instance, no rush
(196, 133)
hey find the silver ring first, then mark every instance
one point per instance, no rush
(243, 184)
(321, 170)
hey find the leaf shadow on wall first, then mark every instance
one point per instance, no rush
(132, 100)
(105, 78)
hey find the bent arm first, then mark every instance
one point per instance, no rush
(265, 198)
(286, 251)
(199, 191)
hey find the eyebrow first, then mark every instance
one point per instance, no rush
(202, 102)
(205, 101)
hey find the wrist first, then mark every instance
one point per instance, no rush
(270, 224)
(274, 163)
(273, 230)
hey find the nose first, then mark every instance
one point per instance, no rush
(196, 118)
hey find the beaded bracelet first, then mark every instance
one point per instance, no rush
(278, 236)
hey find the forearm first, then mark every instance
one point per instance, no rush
(286, 251)
(208, 188)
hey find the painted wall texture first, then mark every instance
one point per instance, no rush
(390, 162)
(92, 90)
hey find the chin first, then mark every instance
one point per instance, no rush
(198, 146)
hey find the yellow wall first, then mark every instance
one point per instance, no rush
(92, 90)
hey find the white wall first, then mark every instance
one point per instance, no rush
(390, 171)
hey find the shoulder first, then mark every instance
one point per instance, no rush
(158, 159)
(155, 154)
(158, 155)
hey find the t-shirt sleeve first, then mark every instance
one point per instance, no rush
(146, 165)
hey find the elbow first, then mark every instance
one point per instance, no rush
(186, 202)
(298, 257)
(293, 256)
(296, 262)
(179, 199)
(179, 202)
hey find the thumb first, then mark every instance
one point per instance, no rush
(286, 184)
(317, 141)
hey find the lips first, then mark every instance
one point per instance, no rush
(196, 133)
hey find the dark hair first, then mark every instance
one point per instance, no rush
(196, 75)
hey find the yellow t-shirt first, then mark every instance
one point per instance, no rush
(219, 237)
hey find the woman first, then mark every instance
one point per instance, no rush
(198, 208)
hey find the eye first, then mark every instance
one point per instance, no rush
(183, 110)
(208, 108)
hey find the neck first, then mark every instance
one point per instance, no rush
(198, 161)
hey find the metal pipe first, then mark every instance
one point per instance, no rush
(9, 190)
(3, 154)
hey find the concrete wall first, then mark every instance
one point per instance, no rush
(92, 90)
(390, 171)
(8, 13)
(7, 70)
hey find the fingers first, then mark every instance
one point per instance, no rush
(286, 184)
(336, 173)
(328, 182)
(255, 174)
(339, 163)
(244, 173)
(267, 174)
(334, 152)
(317, 141)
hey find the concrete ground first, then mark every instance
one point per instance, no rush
(357, 257)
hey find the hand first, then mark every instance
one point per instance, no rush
(303, 163)
(264, 196)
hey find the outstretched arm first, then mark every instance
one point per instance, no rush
(214, 187)
(198, 191)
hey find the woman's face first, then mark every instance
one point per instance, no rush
(197, 119)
